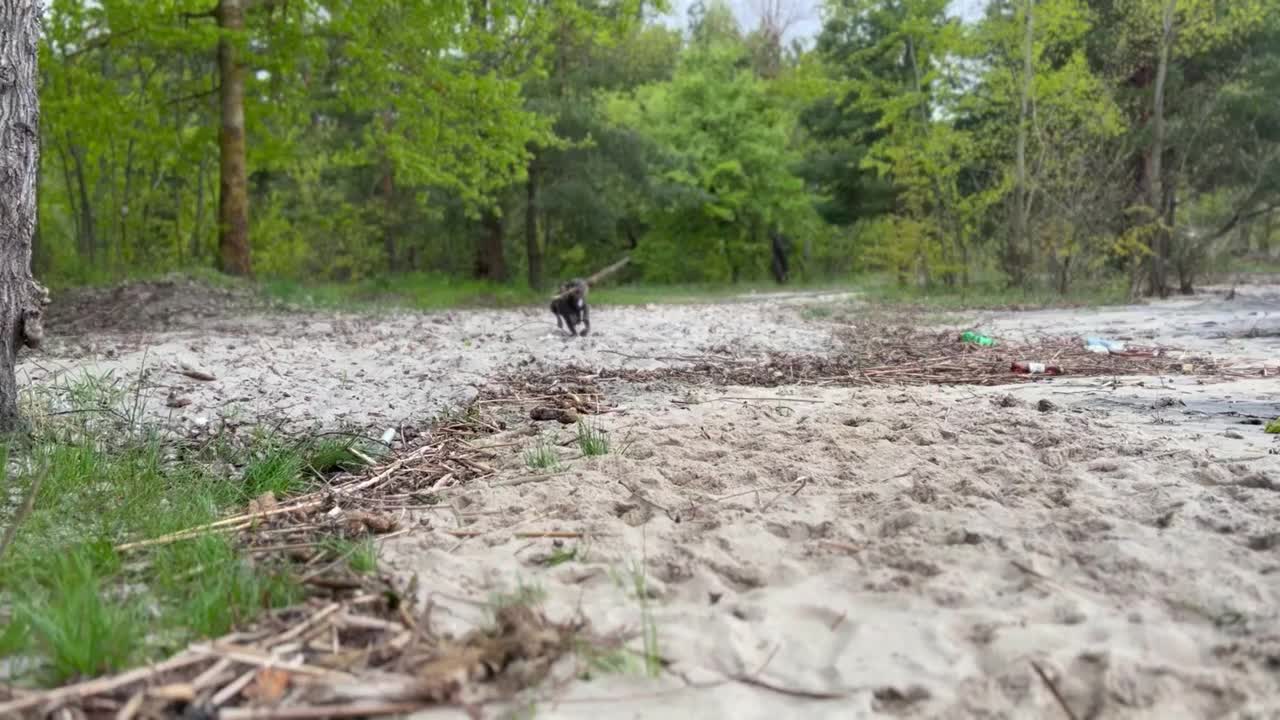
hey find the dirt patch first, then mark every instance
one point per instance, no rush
(154, 306)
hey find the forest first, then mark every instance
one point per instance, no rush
(1044, 144)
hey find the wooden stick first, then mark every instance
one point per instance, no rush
(1062, 702)
(600, 275)
(249, 656)
(55, 698)
(322, 711)
(233, 688)
(307, 502)
(131, 708)
(305, 625)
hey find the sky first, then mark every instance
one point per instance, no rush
(809, 11)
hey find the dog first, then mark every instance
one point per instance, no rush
(570, 307)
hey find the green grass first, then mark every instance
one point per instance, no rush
(325, 456)
(425, 291)
(560, 556)
(647, 660)
(420, 291)
(542, 456)
(592, 440)
(524, 593)
(359, 555)
(77, 606)
(988, 294)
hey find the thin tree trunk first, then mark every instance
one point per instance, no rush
(532, 248)
(88, 238)
(21, 297)
(1020, 243)
(491, 259)
(1264, 241)
(1155, 182)
(233, 197)
(197, 226)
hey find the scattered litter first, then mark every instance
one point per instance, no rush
(1102, 346)
(195, 372)
(1034, 368)
(976, 338)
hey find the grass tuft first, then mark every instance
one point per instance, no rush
(359, 555)
(80, 627)
(277, 470)
(592, 440)
(542, 456)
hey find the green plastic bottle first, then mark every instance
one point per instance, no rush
(977, 338)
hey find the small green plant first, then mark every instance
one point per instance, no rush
(360, 555)
(523, 594)
(328, 455)
(635, 580)
(542, 456)
(278, 470)
(817, 312)
(560, 556)
(230, 588)
(592, 440)
(79, 626)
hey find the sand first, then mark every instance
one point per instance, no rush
(819, 552)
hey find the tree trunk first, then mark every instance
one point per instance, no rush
(388, 182)
(778, 245)
(197, 225)
(491, 259)
(1020, 243)
(21, 297)
(88, 236)
(1159, 280)
(532, 248)
(233, 197)
(1264, 240)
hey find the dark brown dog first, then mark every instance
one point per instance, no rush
(570, 307)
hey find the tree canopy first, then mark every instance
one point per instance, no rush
(523, 140)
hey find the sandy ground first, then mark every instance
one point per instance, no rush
(910, 552)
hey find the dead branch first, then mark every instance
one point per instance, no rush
(600, 275)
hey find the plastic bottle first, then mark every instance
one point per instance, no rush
(1034, 368)
(977, 338)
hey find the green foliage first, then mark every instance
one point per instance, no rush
(430, 152)
(730, 181)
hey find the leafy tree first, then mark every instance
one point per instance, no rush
(731, 182)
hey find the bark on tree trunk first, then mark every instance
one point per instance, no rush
(532, 248)
(22, 299)
(1159, 280)
(1020, 243)
(233, 197)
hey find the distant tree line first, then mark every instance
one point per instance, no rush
(528, 140)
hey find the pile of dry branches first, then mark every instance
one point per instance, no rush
(363, 655)
(359, 646)
(908, 356)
